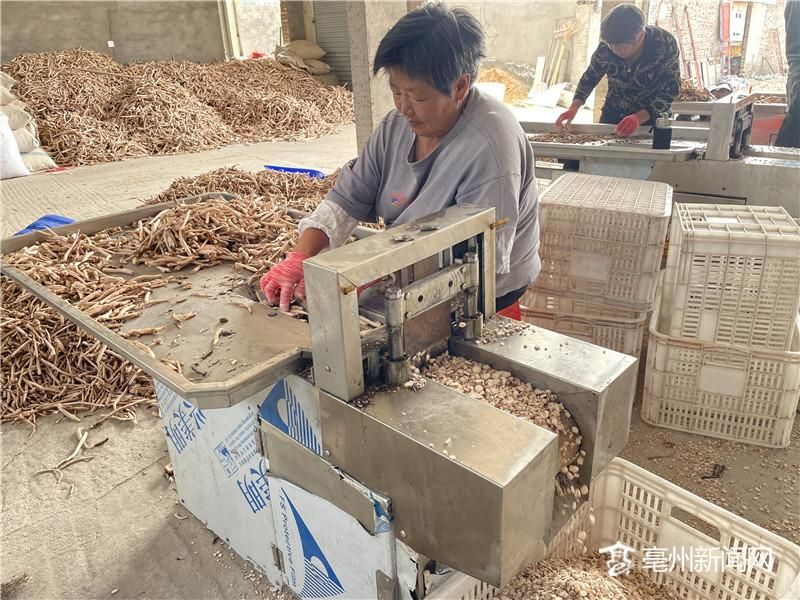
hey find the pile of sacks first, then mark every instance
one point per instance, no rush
(21, 151)
(303, 55)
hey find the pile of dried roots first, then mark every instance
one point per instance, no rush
(516, 89)
(564, 137)
(690, 92)
(296, 191)
(248, 231)
(90, 109)
(49, 365)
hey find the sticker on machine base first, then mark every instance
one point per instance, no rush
(254, 486)
(183, 425)
(182, 419)
(284, 410)
(239, 446)
(317, 579)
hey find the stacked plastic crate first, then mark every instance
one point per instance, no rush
(602, 241)
(724, 351)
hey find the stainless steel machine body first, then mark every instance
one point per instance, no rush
(332, 280)
(458, 494)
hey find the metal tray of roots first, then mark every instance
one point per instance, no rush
(256, 347)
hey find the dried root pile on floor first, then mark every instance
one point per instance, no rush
(164, 117)
(516, 89)
(294, 190)
(690, 92)
(504, 391)
(49, 365)
(254, 94)
(12, 587)
(90, 109)
(582, 578)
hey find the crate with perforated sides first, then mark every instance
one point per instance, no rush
(733, 275)
(604, 237)
(738, 393)
(615, 328)
(736, 559)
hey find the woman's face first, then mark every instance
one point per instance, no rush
(430, 113)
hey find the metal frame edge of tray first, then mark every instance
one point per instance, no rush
(203, 395)
(559, 150)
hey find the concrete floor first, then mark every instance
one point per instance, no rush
(121, 532)
(96, 190)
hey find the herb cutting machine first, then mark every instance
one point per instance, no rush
(357, 484)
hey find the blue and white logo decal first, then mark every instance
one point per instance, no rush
(319, 579)
(238, 448)
(282, 409)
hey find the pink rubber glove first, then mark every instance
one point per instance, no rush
(564, 120)
(627, 126)
(285, 281)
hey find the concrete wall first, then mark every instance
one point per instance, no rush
(518, 32)
(259, 23)
(293, 20)
(367, 23)
(589, 16)
(140, 31)
(704, 17)
(773, 47)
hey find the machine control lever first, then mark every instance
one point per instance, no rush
(473, 319)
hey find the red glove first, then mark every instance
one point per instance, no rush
(565, 118)
(285, 281)
(628, 125)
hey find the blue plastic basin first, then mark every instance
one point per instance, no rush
(46, 222)
(310, 172)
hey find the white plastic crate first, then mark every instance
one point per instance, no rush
(604, 236)
(642, 510)
(618, 329)
(725, 391)
(733, 275)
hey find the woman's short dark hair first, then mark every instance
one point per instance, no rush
(434, 43)
(622, 24)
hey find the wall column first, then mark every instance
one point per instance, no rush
(367, 23)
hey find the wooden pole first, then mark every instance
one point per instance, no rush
(694, 50)
(684, 60)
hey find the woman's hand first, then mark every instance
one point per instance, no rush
(284, 281)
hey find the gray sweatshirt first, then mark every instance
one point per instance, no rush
(485, 159)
